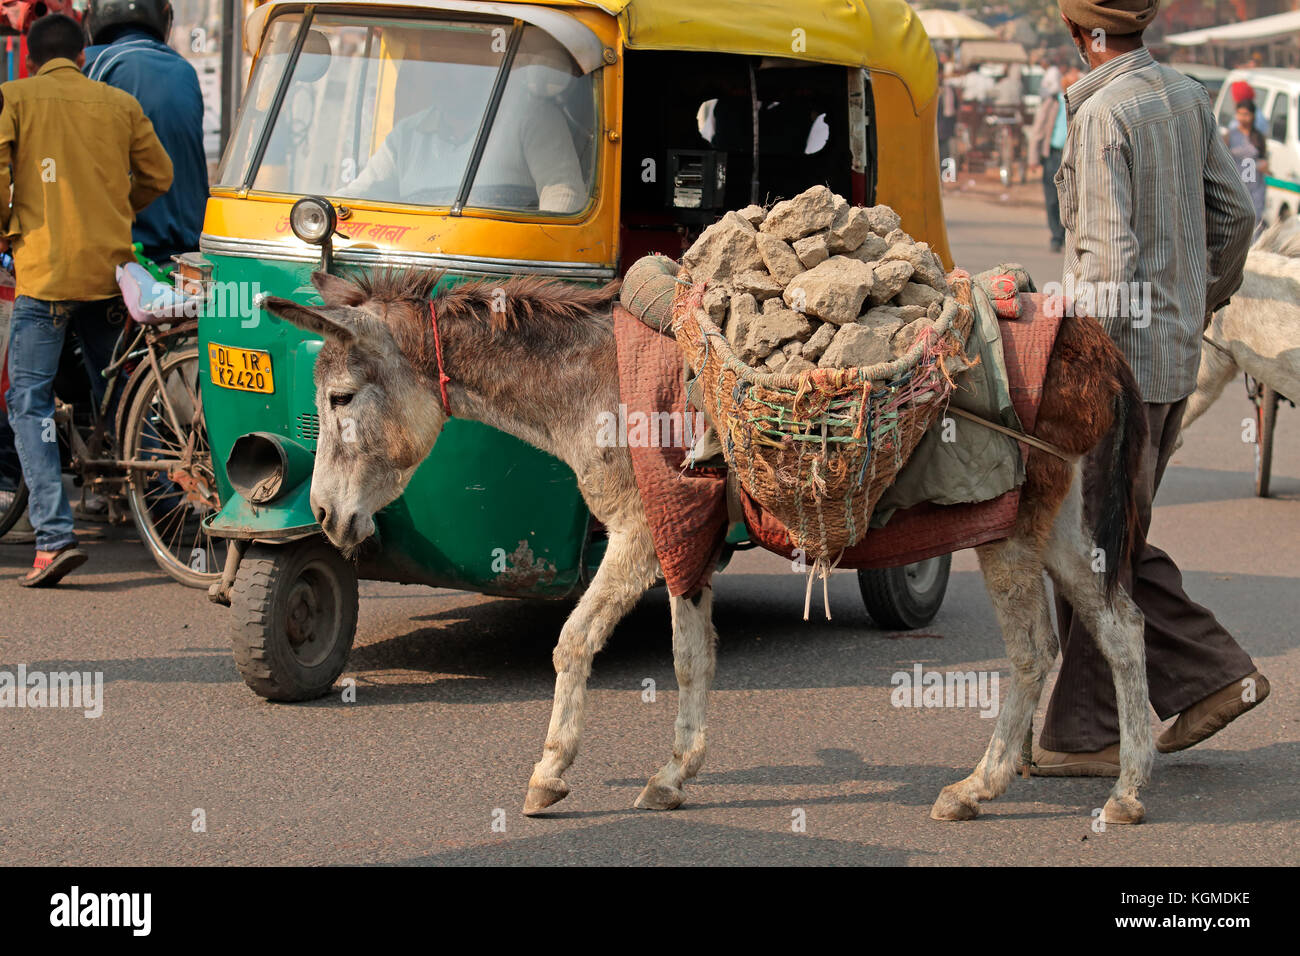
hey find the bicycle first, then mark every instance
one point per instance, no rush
(162, 469)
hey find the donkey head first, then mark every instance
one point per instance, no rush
(379, 410)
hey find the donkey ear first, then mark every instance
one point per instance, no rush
(335, 326)
(335, 290)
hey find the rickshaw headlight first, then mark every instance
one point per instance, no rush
(263, 466)
(313, 220)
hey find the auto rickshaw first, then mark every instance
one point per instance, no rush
(562, 139)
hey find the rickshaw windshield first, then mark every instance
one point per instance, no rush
(394, 110)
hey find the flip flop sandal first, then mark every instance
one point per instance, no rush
(52, 570)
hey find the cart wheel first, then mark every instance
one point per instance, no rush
(905, 597)
(294, 615)
(1265, 421)
(12, 506)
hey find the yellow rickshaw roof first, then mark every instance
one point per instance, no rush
(882, 35)
(885, 36)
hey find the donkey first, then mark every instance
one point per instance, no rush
(1258, 332)
(536, 359)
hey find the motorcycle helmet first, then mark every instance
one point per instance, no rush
(105, 19)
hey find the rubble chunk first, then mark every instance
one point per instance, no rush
(810, 211)
(854, 346)
(758, 284)
(872, 248)
(918, 294)
(883, 220)
(890, 278)
(768, 331)
(780, 259)
(832, 291)
(812, 250)
(925, 264)
(850, 229)
(726, 248)
(816, 345)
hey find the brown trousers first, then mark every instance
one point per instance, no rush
(1189, 655)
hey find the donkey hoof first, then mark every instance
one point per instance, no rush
(542, 795)
(658, 796)
(954, 805)
(1126, 809)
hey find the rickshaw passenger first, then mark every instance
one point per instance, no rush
(424, 156)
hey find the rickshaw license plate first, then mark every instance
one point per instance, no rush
(245, 370)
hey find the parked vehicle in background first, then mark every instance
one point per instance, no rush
(1276, 95)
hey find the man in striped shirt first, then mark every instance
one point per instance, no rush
(1157, 226)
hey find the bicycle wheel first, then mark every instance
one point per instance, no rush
(1265, 423)
(12, 506)
(168, 505)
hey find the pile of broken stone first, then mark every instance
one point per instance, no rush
(816, 282)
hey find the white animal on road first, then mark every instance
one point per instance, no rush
(1258, 332)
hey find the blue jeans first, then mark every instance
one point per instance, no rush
(37, 332)
(1051, 163)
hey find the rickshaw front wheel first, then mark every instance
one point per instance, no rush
(294, 616)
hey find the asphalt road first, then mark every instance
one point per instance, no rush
(453, 697)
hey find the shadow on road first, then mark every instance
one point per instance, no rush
(653, 840)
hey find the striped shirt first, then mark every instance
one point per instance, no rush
(1156, 216)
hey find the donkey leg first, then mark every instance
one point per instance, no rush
(625, 573)
(694, 656)
(1117, 626)
(1013, 574)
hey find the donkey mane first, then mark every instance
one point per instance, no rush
(522, 302)
(510, 306)
(540, 315)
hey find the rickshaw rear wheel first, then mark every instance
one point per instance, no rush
(906, 597)
(293, 618)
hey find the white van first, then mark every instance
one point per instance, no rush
(1277, 93)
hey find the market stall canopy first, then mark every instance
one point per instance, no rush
(993, 51)
(883, 36)
(951, 25)
(1277, 27)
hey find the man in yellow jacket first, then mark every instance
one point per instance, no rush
(82, 160)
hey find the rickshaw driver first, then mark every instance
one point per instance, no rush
(424, 156)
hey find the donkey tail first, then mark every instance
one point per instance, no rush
(1116, 530)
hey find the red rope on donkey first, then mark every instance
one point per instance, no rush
(443, 377)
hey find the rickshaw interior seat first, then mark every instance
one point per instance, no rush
(703, 101)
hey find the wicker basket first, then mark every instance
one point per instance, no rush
(817, 449)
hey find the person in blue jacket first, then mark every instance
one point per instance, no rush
(129, 51)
